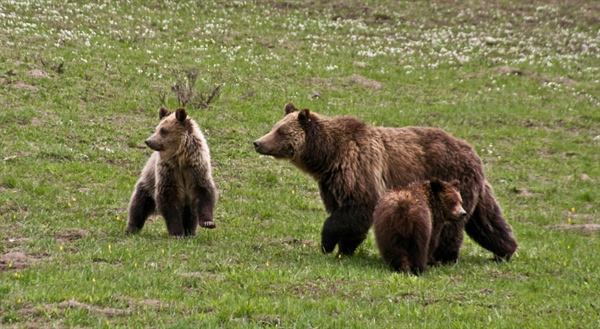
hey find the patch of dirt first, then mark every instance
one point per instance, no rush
(70, 234)
(587, 218)
(209, 275)
(582, 228)
(106, 311)
(368, 83)
(152, 303)
(38, 74)
(508, 70)
(317, 289)
(22, 85)
(498, 274)
(522, 192)
(17, 260)
(13, 242)
(293, 243)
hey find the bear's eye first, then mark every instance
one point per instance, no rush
(163, 132)
(282, 132)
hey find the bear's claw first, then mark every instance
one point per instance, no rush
(208, 224)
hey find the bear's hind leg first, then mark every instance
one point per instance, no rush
(398, 261)
(417, 247)
(171, 208)
(141, 206)
(489, 229)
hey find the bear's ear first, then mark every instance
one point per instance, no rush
(436, 185)
(304, 117)
(163, 112)
(181, 114)
(289, 108)
(455, 183)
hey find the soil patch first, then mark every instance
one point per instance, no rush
(70, 234)
(368, 83)
(107, 311)
(22, 85)
(582, 228)
(16, 260)
(38, 74)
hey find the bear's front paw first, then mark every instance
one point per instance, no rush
(208, 224)
(327, 249)
(131, 230)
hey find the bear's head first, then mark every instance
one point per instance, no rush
(170, 132)
(287, 138)
(449, 199)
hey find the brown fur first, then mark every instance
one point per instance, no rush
(355, 164)
(177, 179)
(408, 223)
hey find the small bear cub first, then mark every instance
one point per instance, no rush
(407, 223)
(177, 179)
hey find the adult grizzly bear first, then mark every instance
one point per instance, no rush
(408, 222)
(177, 178)
(355, 164)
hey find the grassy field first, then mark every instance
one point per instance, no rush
(80, 85)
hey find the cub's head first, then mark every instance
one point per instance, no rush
(449, 198)
(287, 138)
(171, 131)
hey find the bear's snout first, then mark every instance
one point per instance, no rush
(461, 213)
(261, 147)
(153, 143)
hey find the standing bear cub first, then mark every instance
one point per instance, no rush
(355, 164)
(177, 178)
(408, 222)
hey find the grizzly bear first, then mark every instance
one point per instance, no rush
(355, 164)
(408, 222)
(177, 178)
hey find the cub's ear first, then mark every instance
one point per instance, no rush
(304, 117)
(436, 185)
(289, 108)
(181, 114)
(163, 112)
(455, 183)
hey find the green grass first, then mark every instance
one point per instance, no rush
(80, 85)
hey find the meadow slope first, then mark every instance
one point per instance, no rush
(80, 85)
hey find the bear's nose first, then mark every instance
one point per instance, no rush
(462, 214)
(256, 145)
